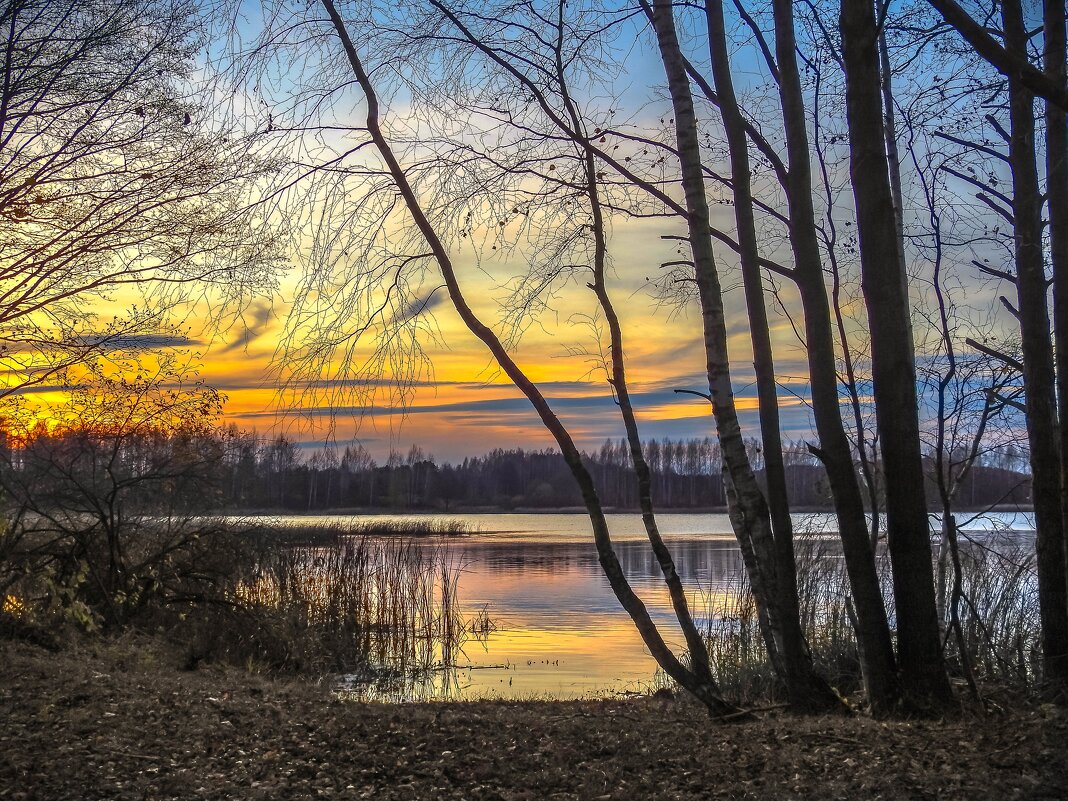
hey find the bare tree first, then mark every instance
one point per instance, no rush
(1008, 60)
(499, 153)
(1055, 54)
(806, 687)
(699, 684)
(1038, 363)
(117, 184)
(893, 362)
(104, 495)
(1020, 209)
(876, 648)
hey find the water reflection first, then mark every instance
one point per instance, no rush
(561, 580)
(560, 632)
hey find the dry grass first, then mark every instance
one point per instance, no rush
(998, 613)
(374, 605)
(299, 532)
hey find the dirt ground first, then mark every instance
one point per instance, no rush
(110, 721)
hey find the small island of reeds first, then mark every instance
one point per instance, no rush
(315, 531)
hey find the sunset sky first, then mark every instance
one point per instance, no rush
(464, 406)
(459, 404)
(456, 403)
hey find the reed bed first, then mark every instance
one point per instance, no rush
(314, 533)
(376, 607)
(998, 613)
(732, 636)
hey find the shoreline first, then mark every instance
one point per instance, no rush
(567, 510)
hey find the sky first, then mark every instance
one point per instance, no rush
(457, 403)
(460, 404)
(463, 405)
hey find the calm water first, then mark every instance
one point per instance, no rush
(560, 631)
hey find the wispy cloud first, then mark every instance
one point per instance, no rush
(261, 313)
(420, 305)
(137, 341)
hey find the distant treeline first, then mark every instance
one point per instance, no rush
(258, 473)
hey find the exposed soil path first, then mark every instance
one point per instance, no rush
(107, 722)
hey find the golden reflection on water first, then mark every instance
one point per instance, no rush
(525, 661)
(559, 630)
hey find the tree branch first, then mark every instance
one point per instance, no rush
(1008, 63)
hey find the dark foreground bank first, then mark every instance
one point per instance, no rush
(111, 721)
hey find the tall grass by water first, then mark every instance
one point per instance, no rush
(377, 607)
(999, 614)
(295, 531)
(997, 609)
(372, 598)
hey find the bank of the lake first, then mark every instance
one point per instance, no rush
(117, 720)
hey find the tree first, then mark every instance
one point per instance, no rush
(118, 186)
(893, 362)
(749, 511)
(793, 178)
(1009, 60)
(767, 559)
(424, 233)
(696, 681)
(1055, 54)
(1038, 360)
(1043, 367)
(806, 687)
(106, 492)
(501, 147)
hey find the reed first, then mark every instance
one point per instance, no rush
(998, 612)
(365, 605)
(313, 533)
(999, 615)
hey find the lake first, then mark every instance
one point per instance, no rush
(560, 633)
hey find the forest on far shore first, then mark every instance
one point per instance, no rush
(237, 470)
(260, 473)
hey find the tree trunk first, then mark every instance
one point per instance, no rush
(705, 690)
(893, 364)
(893, 156)
(747, 507)
(676, 591)
(807, 690)
(1039, 380)
(1054, 57)
(873, 631)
